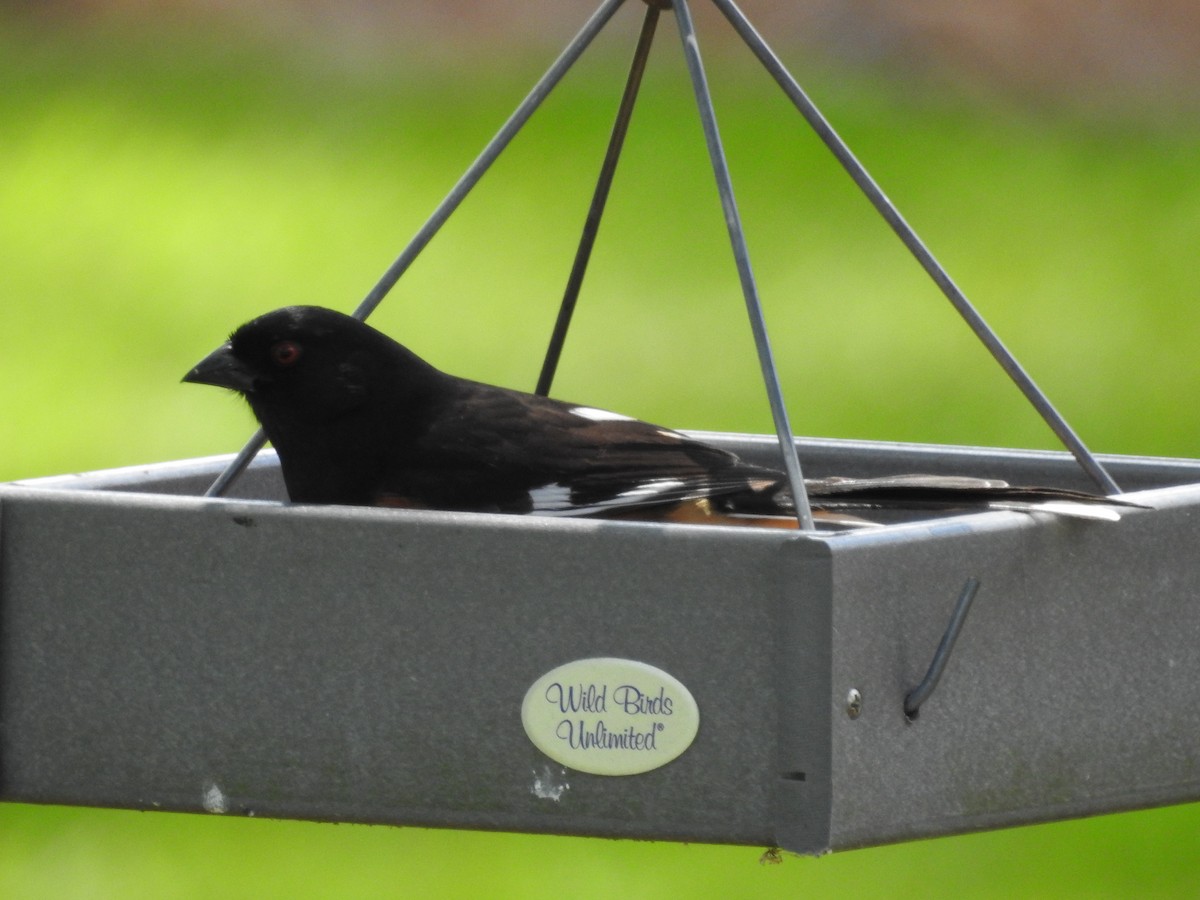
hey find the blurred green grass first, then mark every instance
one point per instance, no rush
(162, 182)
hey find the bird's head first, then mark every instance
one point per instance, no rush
(306, 361)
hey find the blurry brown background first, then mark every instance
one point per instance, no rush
(1088, 50)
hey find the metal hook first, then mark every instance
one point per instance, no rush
(918, 695)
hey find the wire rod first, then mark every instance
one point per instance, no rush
(741, 255)
(481, 164)
(918, 695)
(591, 224)
(460, 190)
(904, 231)
(237, 465)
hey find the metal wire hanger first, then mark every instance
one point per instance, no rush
(824, 131)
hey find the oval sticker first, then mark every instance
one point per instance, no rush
(609, 716)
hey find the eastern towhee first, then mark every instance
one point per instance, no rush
(358, 419)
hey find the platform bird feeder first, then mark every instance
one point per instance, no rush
(177, 637)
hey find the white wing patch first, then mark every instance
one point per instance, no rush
(599, 415)
(648, 490)
(550, 498)
(555, 499)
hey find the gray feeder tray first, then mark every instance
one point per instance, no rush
(166, 651)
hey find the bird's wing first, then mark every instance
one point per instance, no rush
(516, 452)
(956, 492)
(545, 456)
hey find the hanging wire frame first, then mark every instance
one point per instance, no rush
(857, 172)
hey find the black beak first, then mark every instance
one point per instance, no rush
(222, 369)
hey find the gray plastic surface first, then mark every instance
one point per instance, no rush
(164, 651)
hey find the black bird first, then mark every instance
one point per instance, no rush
(359, 419)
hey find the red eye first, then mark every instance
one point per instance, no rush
(285, 353)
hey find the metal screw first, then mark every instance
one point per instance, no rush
(853, 703)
